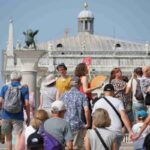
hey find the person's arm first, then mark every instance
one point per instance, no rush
(86, 89)
(58, 95)
(87, 116)
(146, 123)
(114, 146)
(27, 109)
(40, 102)
(1, 102)
(87, 143)
(126, 122)
(21, 145)
(69, 145)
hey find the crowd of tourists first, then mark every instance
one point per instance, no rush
(68, 117)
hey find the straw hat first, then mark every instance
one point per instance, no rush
(49, 79)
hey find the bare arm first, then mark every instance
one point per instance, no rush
(87, 143)
(69, 145)
(126, 122)
(146, 123)
(114, 146)
(40, 102)
(58, 95)
(27, 108)
(87, 116)
(21, 145)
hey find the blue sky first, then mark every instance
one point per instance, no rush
(123, 19)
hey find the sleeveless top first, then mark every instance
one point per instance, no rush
(89, 95)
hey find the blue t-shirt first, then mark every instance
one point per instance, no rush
(24, 96)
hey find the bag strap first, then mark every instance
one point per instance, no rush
(101, 139)
(114, 110)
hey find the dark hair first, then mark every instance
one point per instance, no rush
(138, 71)
(61, 65)
(146, 144)
(80, 70)
(125, 78)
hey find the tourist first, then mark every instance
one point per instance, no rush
(118, 83)
(37, 121)
(12, 118)
(62, 82)
(49, 93)
(76, 102)
(141, 116)
(81, 71)
(116, 112)
(101, 120)
(58, 127)
(137, 104)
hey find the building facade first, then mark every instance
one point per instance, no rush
(105, 53)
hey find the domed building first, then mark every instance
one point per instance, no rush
(105, 53)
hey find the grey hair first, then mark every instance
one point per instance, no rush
(16, 75)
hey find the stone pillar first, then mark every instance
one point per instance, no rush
(29, 59)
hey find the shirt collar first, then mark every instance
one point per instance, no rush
(15, 83)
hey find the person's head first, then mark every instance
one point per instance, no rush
(125, 78)
(138, 71)
(58, 109)
(146, 71)
(116, 73)
(141, 115)
(50, 80)
(109, 90)
(35, 142)
(16, 76)
(146, 144)
(75, 82)
(39, 117)
(62, 69)
(101, 118)
(81, 70)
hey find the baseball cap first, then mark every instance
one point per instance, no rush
(109, 87)
(74, 81)
(58, 106)
(142, 114)
(35, 141)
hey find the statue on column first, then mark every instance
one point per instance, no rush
(29, 38)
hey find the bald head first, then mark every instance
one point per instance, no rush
(146, 71)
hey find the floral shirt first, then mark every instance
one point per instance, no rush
(75, 101)
(119, 85)
(145, 83)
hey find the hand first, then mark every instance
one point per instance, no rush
(87, 126)
(135, 137)
(28, 121)
(131, 135)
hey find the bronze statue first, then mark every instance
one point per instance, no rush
(29, 38)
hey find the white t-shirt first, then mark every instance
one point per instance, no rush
(115, 120)
(136, 129)
(28, 131)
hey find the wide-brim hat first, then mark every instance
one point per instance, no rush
(49, 79)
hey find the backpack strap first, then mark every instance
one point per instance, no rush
(114, 109)
(101, 139)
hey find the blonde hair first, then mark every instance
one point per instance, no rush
(39, 117)
(101, 118)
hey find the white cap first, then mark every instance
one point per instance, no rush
(58, 106)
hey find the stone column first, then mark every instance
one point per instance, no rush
(29, 59)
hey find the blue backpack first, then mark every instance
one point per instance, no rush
(50, 142)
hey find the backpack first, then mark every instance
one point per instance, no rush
(50, 142)
(12, 99)
(138, 93)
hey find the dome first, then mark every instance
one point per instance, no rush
(85, 14)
